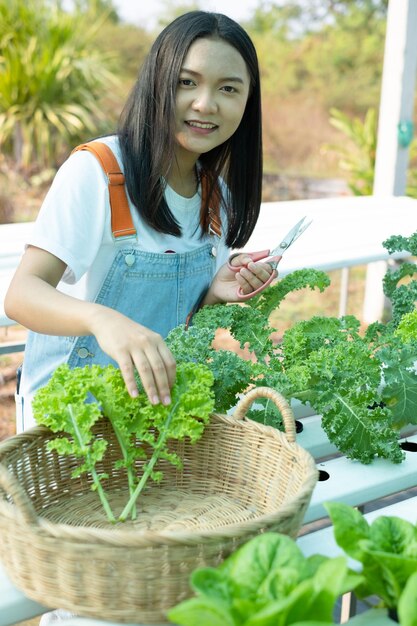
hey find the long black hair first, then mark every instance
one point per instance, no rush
(147, 129)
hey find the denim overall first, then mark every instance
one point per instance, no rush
(157, 290)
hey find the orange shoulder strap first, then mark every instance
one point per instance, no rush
(121, 219)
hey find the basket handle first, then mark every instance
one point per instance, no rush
(280, 402)
(12, 487)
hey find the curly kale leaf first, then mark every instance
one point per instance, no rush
(323, 361)
(403, 301)
(63, 405)
(215, 316)
(407, 328)
(307, 336)
(248, 326)
(192, 345)
(335, 371)
(266, 412)
(192, 402)
(251, 328)
(232, 375)
(393, 277)
(399, 392)
(398, 243)
(358, 431)
(378, 334)
(404, 296)
(344, 367)
(345, 384)
(271, 298)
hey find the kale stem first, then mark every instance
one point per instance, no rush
(303, 396)
(262, 343)
(149, 466)
(96, 479)
(102, 496)
(123, 448)
(130, 476)
(256, 337)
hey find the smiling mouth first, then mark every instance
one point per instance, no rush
(203, 125)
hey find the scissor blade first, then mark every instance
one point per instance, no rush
(290, 237)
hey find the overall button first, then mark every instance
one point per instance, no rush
(129, 259)
(83, 353)
(214, 251)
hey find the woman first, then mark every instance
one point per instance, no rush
(189, 144)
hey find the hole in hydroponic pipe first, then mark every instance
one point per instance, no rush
(299, 426)
(323, 475)
(392, 614)
(409, 446)
(376, 405)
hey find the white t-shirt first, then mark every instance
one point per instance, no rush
(74, 224)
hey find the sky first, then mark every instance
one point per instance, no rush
(146, 12)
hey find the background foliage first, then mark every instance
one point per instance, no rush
(65, 74)
(50, 80)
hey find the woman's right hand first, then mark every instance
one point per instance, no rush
(134, 346)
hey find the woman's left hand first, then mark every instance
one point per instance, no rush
(226, 283)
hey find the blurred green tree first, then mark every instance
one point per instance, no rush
(51, 77)
(327, 48)
(315, 55)
(305, 16)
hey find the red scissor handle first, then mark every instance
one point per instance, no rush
(255, 256)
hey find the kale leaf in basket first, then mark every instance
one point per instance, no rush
(74, 400)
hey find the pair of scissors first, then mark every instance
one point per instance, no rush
(273, 257)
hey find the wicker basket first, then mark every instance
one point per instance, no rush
(241, 478)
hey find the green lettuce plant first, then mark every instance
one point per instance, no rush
(387, 552)
(269, 582)
(266, 582)
(407, 604)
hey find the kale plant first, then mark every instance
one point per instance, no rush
(364, 384)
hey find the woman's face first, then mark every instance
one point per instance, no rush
(211, 97)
